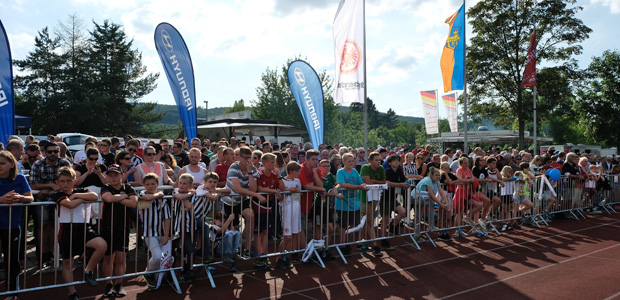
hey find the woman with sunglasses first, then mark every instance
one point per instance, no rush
(151, 166)
(91, 172)
(123, 159)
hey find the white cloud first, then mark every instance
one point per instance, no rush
(614, 5)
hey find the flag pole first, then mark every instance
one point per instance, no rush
(365, 84)
(465, 84)
(535, 134)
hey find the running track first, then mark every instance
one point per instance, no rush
(568, 260)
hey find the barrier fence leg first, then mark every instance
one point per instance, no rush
(430, 240)
(341, 255)
(210, 275)
(175, 283)
(318, 257)
(412, 236)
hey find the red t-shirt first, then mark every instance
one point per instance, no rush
(269, 181)
(222, 171)
(306, 177)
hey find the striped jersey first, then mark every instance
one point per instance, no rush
(153, 217)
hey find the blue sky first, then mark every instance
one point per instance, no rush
(232, 42)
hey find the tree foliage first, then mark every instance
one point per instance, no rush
(497, 54)
(237, 106)
(598, 101)
(90, 84)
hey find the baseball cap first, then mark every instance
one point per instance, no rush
(114, 168)
(391, 152)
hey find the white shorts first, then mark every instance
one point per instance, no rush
(291, 218)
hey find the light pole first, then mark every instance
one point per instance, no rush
(206, 111)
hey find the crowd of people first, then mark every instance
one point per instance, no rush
(258, 192)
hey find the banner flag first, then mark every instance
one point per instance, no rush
(529, 75)
(429, 101)
(349, 52)
(453, 56)
(177, 63)
(450, 102)
(308, 91)
(7, 104)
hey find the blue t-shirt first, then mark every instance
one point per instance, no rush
(19, 185)
(422, 185)
(350, 202)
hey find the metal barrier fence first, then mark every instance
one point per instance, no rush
(291, 227)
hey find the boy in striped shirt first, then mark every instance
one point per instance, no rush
(156, 223)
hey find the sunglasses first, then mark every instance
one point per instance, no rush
(93, 158)
(131, 150)
(52, 151)
(149, 154)
(32, 157)
(126, 158)
(102, 145)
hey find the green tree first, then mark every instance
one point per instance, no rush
(237, 106)
(41, 85)
(497, 52)
(598, 102)
(118, 79)
(92, 85)
(390, 120)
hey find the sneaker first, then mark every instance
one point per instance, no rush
(228, 258)
(468, 220)
(267, 262)
(346, 250)
(385, 244)
(433, 228)
(259, 262)
(236, 257)
(282, 264)
(444, 237)
(376, 251)
(504, 227)
(359, 247)
(150, 281)
(90, 279)
(249, 253)
(482, 223)
(295, 258)
(509, 227)
(120, 291)
(73, 296)
(208, 260)
(108, 292)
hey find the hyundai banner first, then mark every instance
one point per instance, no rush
(177, 63)
(7, 107)
(308, 91)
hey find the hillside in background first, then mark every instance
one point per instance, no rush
(172, 114)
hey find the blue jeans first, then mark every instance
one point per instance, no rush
(231, 242)
(203, 229)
